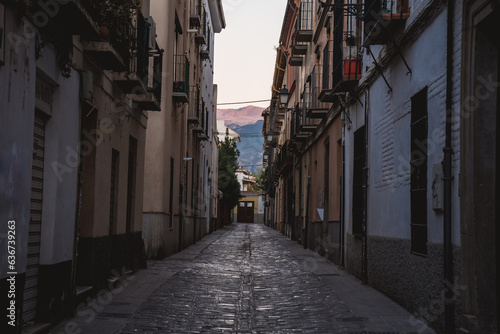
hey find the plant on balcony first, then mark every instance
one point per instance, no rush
(115, 18)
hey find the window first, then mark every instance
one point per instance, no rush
(418, 163)
(250, 205)
(358, 184)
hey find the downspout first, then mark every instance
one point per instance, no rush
(342, 197)
(448, 176)
(364, 259)
(291, 6)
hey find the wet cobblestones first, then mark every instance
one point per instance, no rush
(246, 281)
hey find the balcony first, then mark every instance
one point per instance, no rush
(301, 126)
(382, 18)
(105, 55)
(112, 49)
(347, 71)
(304, 29)
(296, 61)
(204, 54)
(346, 53)
(325, 94)
(298, 48)
(152, 99)
(136, 80)
(196, 13)
(181, 79)
(315, 107)
(75, 17)
(194, 106)
(201, 36)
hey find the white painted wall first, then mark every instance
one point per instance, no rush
(389, 136)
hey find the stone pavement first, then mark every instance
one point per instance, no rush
(245, 278)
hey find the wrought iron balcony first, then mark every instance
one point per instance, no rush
(194, 106)
(113, 48)
(152, 99)
(181, 79)
(316, 108)
(346, 52)
(196, 13)
(304, 29)
(201, 36)
(135, 80)
(382, 18)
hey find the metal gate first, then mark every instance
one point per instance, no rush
(33, 260)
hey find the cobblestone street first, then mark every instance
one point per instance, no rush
(246, 279)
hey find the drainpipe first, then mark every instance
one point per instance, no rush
(448, 175)
(342, 199)
(364, 259)
(291, 6)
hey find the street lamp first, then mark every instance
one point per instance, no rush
(283, 95)
(269, 136)
(266, 155)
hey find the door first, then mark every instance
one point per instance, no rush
(35, 227)
(245, 212)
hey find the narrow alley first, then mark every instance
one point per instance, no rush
(244, 278)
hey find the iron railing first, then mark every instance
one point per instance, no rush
(346, 46)
(194, 102)
(140, 63)
(122, 33)
(306, 15)
(387, 9)
(181, 74)
(157, 75)
(315, 89)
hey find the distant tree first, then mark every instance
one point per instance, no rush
(228, 181)
(261, 179)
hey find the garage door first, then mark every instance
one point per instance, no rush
(32, 264)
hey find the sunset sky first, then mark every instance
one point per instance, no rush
(245, 51)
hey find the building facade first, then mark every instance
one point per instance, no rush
(73, 110)
(377, 151)
(181, 142)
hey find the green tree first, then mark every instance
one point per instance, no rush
(228, 182)
(261, 179)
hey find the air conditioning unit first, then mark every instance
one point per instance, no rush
(152, 33)
(88, 85)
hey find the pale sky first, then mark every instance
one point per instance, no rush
(245, 51)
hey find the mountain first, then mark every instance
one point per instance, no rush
(241, 116)
(250, 146)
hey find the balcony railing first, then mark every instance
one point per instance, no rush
(181, 79)
(381, 17)
(113, 48)
(196, 13)
(201, 36)
(304, 29)
(346, 52)
(315, 107)
(152, 99)
(194, 105)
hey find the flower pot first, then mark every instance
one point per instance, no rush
(104, 33)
